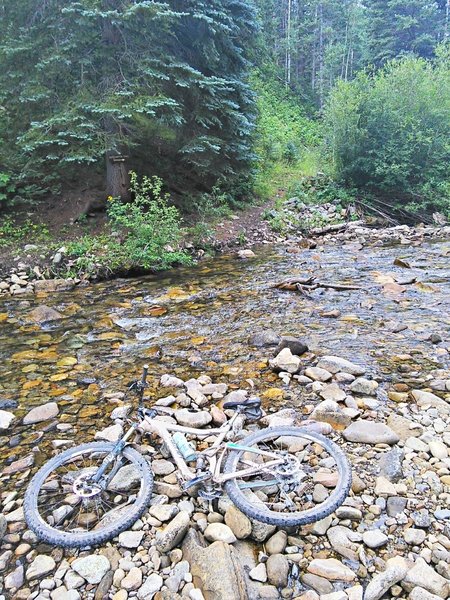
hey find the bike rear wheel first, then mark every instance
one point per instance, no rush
(284, 494)
(64, 506)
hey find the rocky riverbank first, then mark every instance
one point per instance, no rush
(33, 271)
(390, 538)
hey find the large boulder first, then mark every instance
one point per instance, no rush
(216, 569)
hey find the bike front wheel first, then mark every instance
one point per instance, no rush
(64, 505)
(277, 475)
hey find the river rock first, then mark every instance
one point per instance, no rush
(188, 418)
(92, 567)
(425, 399)
(239, 524)
(335, 364)
(133, 579)
(171, 381)
(320, 584)
(6, 418)
(41, 413)
(218, 532)
(277, 567)
(276, 544)
(318, 374)
(414, 537)
(391, 464)
(62, 593)
(216, 569)
(331, 569)
(164, 512)
(110, 434)
(382, 582)
(423, 575)
(130, 539)
(286, 361)
(438, 449)
(369, 432)
(3, 526)
(296, 346)
(42, 314)
(402, 426)
(419, 593)
(20, 465)
(265, 338)
(127, 477)
(41, 566)
(374, 538)
(333, 392)
(173, 533)
(259, 573)
(152, 584)
(366, 387)
(330, 412)
(15, 579)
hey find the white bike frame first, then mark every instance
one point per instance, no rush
(163, 429)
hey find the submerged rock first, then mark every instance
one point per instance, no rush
(42, 314)
(41, 413)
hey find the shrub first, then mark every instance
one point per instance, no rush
(388, 132)
(150, 225)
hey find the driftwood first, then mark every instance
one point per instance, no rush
(306, 285)
(333, 228)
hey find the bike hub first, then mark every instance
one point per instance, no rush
(84, 487)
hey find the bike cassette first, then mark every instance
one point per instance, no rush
(210, 494)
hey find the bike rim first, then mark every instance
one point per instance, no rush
(68, 501)
(289, 488)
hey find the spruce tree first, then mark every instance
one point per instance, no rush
(159, 86)
(400, 27)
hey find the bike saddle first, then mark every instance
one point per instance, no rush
(252, 403)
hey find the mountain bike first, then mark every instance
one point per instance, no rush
(92, 492)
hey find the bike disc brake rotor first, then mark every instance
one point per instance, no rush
(84, 487)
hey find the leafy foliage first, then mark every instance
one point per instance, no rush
(151, 226)
(389, 132)
(286, 138)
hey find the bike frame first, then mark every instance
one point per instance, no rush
(214, 454)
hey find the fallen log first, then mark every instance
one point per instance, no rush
(333, 228)
(298, 285)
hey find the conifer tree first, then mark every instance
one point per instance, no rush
(126, 83)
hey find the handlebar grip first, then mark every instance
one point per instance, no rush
(144, 374)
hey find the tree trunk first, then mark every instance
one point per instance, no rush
(117, 176)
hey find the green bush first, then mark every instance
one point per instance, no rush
(150, 225)
(389, 132)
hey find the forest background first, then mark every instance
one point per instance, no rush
(151, 110)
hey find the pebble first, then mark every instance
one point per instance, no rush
(414, 537)
(218, 532)
(381, 582)
(41, 566)
(335, 364)
(331, 569)
(277, 570)
(276, 544)
(152, 584)
(92, 567)
(374, 538)
(173, 533)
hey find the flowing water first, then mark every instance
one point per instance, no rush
(199, 320)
